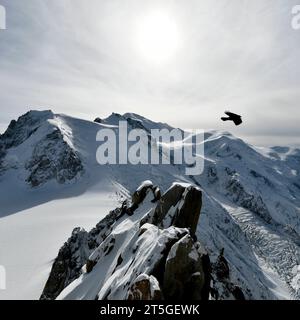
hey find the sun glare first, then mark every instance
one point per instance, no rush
(157, 37)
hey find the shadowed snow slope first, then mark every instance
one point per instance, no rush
(50, 183)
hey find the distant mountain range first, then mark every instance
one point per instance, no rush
(50, 182)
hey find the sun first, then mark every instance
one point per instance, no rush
(157, 37)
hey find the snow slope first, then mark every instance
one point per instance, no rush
(31, 238)
(50, 183)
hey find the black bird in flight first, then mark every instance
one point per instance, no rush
(237, 119)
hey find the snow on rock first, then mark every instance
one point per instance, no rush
(177, 208)
(133, 249)
(145, 288)
(148, 251)
(68, 264)
(145, 184)
(75, 253)
(184, 276)
(53, 158)
(20, 130)
(40, 145)
(250, 204)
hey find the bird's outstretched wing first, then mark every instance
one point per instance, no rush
(230, 114)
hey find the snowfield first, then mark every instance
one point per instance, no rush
(51, 183)
(30, 239)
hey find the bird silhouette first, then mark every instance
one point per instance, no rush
(237, 119)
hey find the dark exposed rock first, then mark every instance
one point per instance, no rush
(160, 265)
(222, 286)
(90, 264)
(67, 266)
(221, 267)
(169, 199)
(74, 255)
(136, 124)
(212, 174)
(189, 213)
(237, 293)
(186, 215)
(157, 194)
(237, 193)
(207, 269)
(145, 288)
(103, 250)
(53, 158)
(174, 266)
(184, 276)
(98, 120)
(140, 194)
(20, 130)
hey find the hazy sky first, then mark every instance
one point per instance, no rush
(181, 62)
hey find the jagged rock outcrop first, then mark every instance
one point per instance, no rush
(53, 158)
(184, 277)
(231, 186)
(136, 253)
(222, 287)
(237, 193)
(179, 208)
(98, 120)
(75, 253)
(145, 288)
(67, 266)
(20, 130)
(221, 267)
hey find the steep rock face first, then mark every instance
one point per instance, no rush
(229, 183)
(145, 253)
(98, 120)
(75, 253)
(67, 266)
(222, 287)
(184, 277)
(145, 288)
(237, 193)
(36, 143)
(20, 130)
(180, 206)
(144, 250)
(53, 158)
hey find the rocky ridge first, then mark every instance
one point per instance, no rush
(145, 250)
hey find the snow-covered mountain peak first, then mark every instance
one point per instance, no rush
(250, 195)
(20, 130)
(39, 144)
